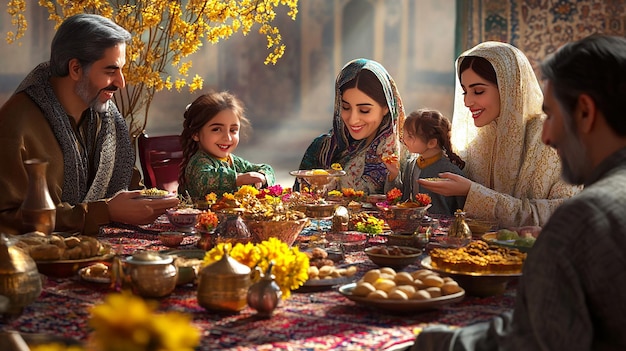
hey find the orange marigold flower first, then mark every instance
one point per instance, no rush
(207, 220)
(394, 195)
(423, 199)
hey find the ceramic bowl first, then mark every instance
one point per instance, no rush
(350, 241)
(479, 227)
(402, 219)
(323, 210)
(183, 219)
(376, 198)
(171, 239)
(398, 257)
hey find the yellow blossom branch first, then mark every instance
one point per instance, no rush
(164, 33)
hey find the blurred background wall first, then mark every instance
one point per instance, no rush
(292, 102)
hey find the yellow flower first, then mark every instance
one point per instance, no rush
(336, 193)
(290, 265)
(211, 198)
(246, 191)
(55, 347)
(336, 166)
(371, 225)
(127, 322)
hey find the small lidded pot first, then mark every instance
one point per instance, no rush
(223, 285)
(151, 274)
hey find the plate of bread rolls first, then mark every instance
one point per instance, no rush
(389, 291)
(63, 254)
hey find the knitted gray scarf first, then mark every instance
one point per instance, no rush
(112, 150)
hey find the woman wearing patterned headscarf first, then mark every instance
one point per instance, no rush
(496, 129)
(367, 116)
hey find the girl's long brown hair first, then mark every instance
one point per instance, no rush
(199, 113)
(431, 124)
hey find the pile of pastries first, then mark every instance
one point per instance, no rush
(321, 267)
(42, 247)
(96, 271)
(478, 257)
(386, 283)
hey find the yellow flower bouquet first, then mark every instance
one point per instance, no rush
(127, 322)
(290, 265)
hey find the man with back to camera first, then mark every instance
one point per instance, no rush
(573, 286)
(62, 113)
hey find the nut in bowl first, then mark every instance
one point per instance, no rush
(171, 239)
(396, 257)
(184, 219)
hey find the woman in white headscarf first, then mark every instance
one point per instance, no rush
(514, 178)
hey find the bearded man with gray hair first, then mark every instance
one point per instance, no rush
(62, 113)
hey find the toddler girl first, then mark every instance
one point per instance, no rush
(210, 135)
(427, 137)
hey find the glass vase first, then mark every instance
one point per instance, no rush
(38, 210)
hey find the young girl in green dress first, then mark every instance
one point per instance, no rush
(211, 133)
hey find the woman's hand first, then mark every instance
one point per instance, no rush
(454, 185)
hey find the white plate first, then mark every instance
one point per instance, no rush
(325, 284)
(329, 282)
(156, 197)
(400, 306)
(309, 173)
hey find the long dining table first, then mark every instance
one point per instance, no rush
(308, 320)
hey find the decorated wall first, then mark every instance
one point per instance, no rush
(537, 27)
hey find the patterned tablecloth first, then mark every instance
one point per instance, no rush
(306, 321)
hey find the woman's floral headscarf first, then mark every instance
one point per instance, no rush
(340, 147)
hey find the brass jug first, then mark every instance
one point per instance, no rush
(264, 295)
(19, 277)
(223, 285)
(152, 274)
(38, 211)
(459, 228)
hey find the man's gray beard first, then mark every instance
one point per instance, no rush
(100, 106)
(82, 90)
